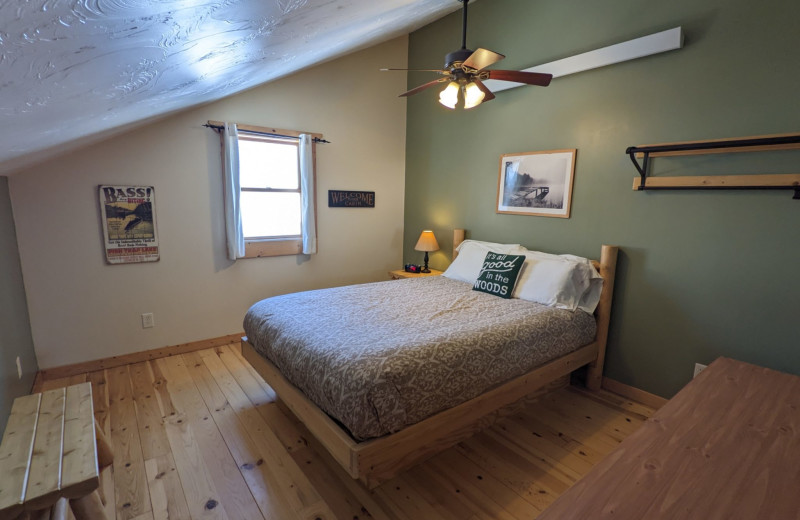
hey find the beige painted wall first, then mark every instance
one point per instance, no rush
(83, 309)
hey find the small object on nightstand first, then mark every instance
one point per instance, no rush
(427, 242)
(402, 273)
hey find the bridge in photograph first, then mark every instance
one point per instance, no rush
(537, 193)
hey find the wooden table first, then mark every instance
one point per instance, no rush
(49, 454)
(727, 446)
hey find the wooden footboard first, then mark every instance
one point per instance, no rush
(377, 460)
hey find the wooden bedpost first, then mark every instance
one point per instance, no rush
(608, 268)
(458, 237)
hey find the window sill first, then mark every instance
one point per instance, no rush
(280, 247)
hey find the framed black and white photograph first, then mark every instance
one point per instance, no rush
(536, 183)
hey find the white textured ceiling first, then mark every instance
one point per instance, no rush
(73, 68)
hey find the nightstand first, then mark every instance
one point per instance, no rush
(399, 273)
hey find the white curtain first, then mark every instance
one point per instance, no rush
(233, 212)
(307, 188)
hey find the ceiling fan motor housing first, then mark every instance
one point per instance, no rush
(458, 56)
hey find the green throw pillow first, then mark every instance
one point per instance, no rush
(499, 274)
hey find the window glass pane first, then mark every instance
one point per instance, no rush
(270, 214)
(265, 164)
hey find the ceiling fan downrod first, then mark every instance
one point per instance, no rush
(464, 24)
(463, 53)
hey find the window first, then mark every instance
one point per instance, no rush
(269, 176)
(271, 181)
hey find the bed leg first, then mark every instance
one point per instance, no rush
(594, 378)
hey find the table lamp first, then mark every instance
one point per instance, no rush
(427, 242)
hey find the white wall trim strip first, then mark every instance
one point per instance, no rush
(663, 41)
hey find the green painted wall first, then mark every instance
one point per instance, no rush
(15, 328)
(701, 274)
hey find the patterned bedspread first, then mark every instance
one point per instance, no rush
(380, 356)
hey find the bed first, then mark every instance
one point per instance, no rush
(388, 374)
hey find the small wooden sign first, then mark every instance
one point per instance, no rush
(351, 199)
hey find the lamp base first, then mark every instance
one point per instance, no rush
(425, 269)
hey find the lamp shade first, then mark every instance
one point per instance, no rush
(427, 242)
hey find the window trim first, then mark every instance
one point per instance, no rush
(283, 246)
(273, 247)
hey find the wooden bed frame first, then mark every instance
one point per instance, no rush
(376, 460)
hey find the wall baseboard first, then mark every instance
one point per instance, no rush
(49, 374)
(631, 392)
(37, 382)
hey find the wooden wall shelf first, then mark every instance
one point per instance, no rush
(763, 143)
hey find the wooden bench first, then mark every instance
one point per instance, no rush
(51, 455)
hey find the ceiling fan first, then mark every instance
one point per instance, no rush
(464, 71)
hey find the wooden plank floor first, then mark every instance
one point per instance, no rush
(201, 435)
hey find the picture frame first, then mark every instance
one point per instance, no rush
(128, 217)
(536, 183)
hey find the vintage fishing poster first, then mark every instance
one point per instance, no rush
(129, 224)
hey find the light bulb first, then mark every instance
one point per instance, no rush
(449, 96)
(473, 96)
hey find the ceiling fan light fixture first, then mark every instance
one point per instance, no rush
(449, 96)
(473, 96)
(465, 70)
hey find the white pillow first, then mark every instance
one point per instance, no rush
(506, 249)
(471, 254)
(565, 282)
(591, 297)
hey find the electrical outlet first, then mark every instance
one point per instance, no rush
(148, 321)
(19, 368)
(699, 367)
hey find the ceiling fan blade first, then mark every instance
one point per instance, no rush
(481, 59)
(423, 87)
(488, 93)
(440, 71)
(529, 78)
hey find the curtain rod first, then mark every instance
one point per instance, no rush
(220, 128)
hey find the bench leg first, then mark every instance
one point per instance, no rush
(55, 512)
(89, 507)
(60, 511)
(105, 454)
(102, 496)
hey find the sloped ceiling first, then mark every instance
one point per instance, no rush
(75, 68)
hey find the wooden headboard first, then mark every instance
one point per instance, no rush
(607, 267)
(458, 237)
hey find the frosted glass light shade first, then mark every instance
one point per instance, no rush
(449, 96)
(473, 96)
